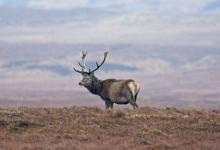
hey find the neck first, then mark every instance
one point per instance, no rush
(95, 87)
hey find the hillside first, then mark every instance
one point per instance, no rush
(91, 128)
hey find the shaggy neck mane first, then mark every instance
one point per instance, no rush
(95, 87)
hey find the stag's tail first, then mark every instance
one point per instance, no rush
(134, 88)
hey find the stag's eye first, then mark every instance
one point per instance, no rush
(86, 79)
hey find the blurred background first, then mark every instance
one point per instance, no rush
(171, 47)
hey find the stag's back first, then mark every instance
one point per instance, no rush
(116, 89)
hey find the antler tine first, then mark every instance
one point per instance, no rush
(84, 55)
(82, 66)
(77, 70)
(82, 63)
(97, 65)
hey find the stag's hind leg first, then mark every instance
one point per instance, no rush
(133, 104)
(135, 96)
(132, 99)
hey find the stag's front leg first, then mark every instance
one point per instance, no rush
(107, 104)
(111, 105)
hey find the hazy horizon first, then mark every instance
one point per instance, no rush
(170, 47)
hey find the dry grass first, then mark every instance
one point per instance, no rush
(95, 129)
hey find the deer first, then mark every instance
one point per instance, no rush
(110, 90)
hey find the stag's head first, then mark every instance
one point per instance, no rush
(88, 74)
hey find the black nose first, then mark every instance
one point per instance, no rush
(80, 83)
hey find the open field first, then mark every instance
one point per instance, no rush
(92, 128)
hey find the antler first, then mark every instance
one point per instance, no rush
(83, 66)
(97, 65)
(82, 63)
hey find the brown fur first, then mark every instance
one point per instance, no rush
(112, 90)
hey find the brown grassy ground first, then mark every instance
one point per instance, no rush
(96, 129)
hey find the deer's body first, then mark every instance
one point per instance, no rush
(115, 91)
(110, 90)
